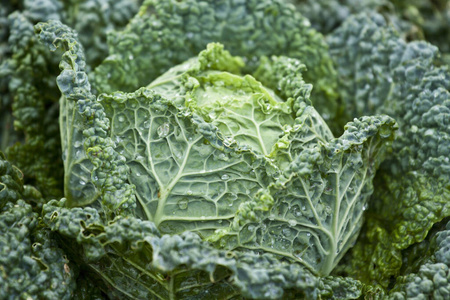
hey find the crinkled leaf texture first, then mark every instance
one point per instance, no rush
(136, 261)
(229, 159)
(432, 279)
(32, 266)
(166, 33)
(381, 73)
(93, 169)
(213, 155)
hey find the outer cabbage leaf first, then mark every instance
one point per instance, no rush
(327, 15)
(415, 20)
(412, 192)
(32, 266)
(152, 266)
(334, 287)
(133, 260)
(28, 95)
(28, 119)
(11, 184)
(92, 19)
(432, 278)
(319, 202)
(166, 33)
(93, 169)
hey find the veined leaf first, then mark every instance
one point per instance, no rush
(218, 153)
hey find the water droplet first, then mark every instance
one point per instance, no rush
(138, 174)
(130, 57)
(77, 144)
(225, 177)
(308, 234)
(292, 222)
(121, 118)
(163, 130)
(364, 207)
(251, 228)
(183, 204)
(286, 232)
(303, 207)
(189, 192)
(82, 182)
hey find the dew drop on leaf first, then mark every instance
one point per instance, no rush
(183, 204)
(163, 130)
(286, 232)
(225, 177)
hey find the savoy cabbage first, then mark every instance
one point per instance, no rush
(223, 150)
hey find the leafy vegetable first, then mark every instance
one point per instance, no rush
(415, 20)
(31, 264)
(162, 166)
(167, 33)
(411, 88)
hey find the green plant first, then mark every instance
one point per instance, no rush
(191, 172)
